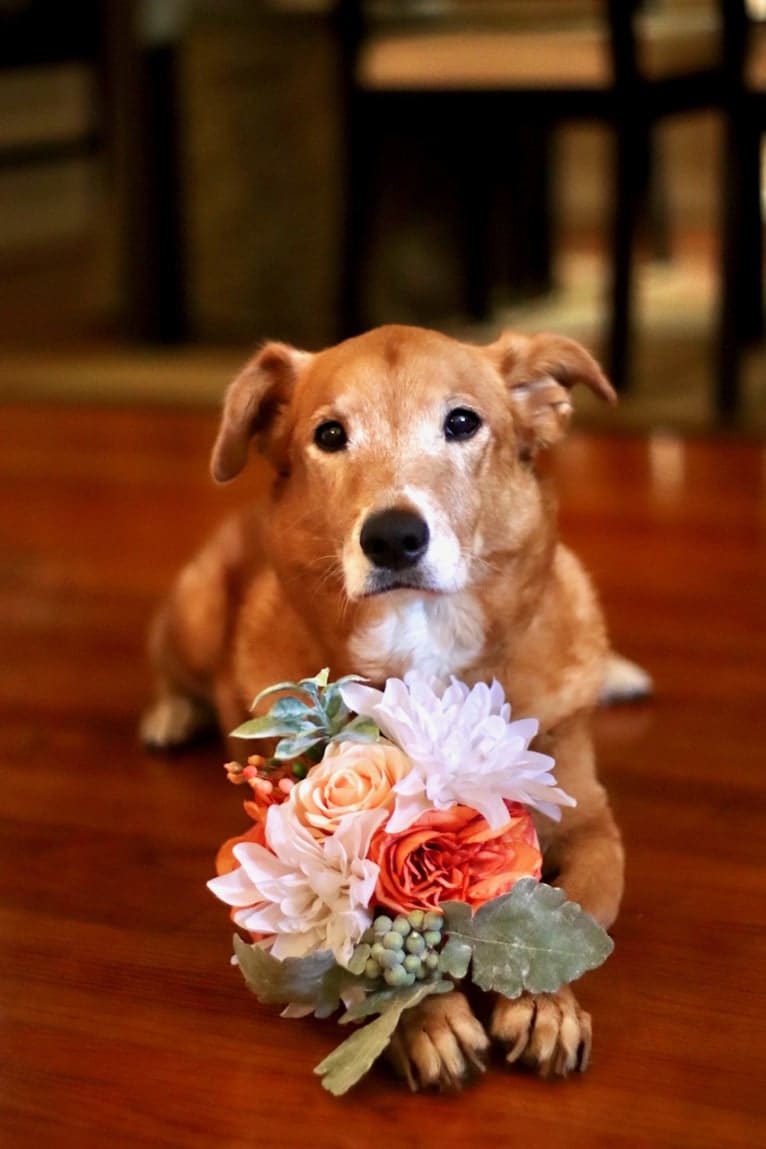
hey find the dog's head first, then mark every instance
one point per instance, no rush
(405, 459)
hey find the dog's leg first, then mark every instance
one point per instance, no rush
(175, 720)
(584, 850)
(550, 1031)
(624, 681)
(181, 710)
(187, 644)
(438, 1043)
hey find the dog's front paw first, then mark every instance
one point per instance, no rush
(175, 720)
(545, 1031)
(438, 1042)
(624, 681)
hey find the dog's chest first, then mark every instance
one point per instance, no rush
(437, 636)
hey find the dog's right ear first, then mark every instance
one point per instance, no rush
(252, 407)
(540, 372)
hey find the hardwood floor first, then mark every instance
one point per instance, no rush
(122, 1022)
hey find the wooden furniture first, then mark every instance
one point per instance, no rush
(741, 250)
(122, 1023)
(483, 69)
(139, 58)
(125, 54)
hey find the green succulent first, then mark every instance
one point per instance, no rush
(308, 718)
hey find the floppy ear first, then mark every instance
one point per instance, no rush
(540, 372)
(252, 406)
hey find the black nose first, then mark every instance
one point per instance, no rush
(394, 539)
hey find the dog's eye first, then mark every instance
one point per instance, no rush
(331, 436)
(461, 423)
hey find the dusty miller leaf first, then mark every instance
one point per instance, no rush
(316, 980)
(530, 939)
(455, 958)
(352, 1058)
(381, 1000)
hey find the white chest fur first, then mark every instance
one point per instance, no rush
(439, 636)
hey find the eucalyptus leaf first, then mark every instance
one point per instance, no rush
(313, 685)
(315, 980)
(294, 747)
(276, 689)
(529, 939)
(358, 730)
(352, 1059)
(291, 708)
(267, 727)
(335, 710)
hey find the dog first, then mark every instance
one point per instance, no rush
(407, 526)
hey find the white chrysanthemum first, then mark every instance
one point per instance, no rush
(463, 746)
(304, 894)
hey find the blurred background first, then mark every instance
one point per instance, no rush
(180, 179)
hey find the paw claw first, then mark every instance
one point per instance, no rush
(439, 1044)
(546, 1032)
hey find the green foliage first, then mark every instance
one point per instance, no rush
(381, 1000)
(306, 717)
(316, 980)
(349, 1062)
(400, 950)
(530, 939)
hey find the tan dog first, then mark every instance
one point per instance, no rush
(407, 527)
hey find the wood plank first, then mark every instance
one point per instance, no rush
(122, 1022)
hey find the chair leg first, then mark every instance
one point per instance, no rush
(734, 308)
(357, 187)
(531, 209)
(629, 162)
(141, 90)
(656, 192)
(752, 224)
(474, 182)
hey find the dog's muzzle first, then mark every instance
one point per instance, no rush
(395, 539)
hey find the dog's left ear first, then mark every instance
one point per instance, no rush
(252, 407)
(540, 372)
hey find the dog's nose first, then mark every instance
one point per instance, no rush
(394, 539)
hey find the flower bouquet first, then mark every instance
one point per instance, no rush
(392, 854)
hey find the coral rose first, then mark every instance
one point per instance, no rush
(454, 855)
(351, 777)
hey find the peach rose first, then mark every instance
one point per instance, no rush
(352, 776)
(454, 855)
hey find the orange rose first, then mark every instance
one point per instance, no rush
(352, 777)
(454, 855)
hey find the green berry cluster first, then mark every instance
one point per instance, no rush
(404, 949)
